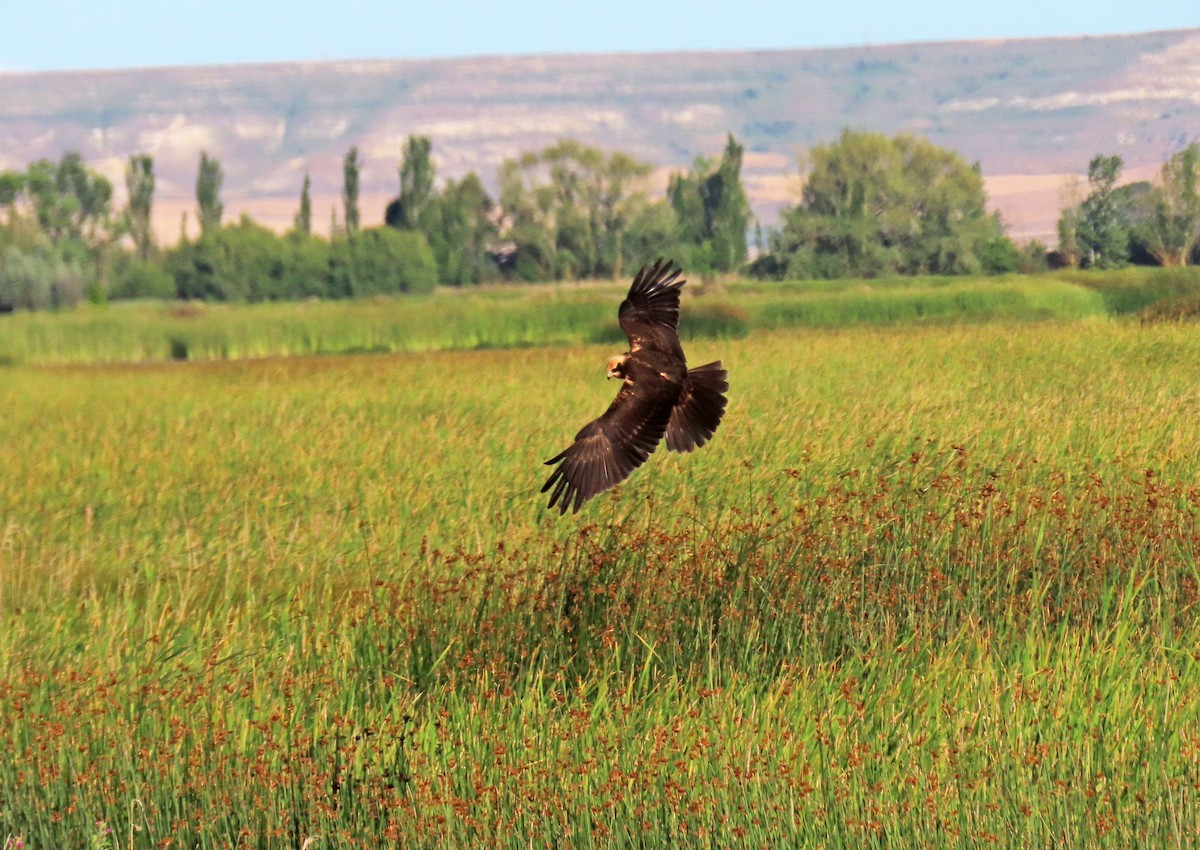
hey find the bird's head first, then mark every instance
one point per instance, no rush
(616, 366)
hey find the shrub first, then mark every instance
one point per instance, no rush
(999, 255)
(714, 320)
(36, 278)
(1034, 258)
(248, 262)
(141, 279)
(382, 261)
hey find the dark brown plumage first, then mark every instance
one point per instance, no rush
(659, 397)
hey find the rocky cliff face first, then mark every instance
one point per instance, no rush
(1029, 111)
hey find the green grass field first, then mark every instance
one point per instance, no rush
(526, 316)
(932, 585)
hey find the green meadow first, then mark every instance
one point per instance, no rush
(531, 316)
(934, 583)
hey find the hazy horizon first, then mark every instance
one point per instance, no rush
(71, 35)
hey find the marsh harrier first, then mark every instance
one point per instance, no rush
(659, 396)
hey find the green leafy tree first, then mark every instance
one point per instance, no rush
(350, 186)
(209, 178)
(461, 231)
(133, 277)
(1134, 202)
(999, 255)
(1069, 200)
(874, 205)
(306, 272)
(303, 220)
(568, 209)
(712, 211)
(70, 203)
(1068, 237)
(416, 184)
(653, 231)
(1170, 230)
(1103, 236)
(729, 218)
(246, 262)
(458, 223)
(51, 211)
(12, 187)
(683, 194)
(59, 220)
(381, 261)
(1035, 258)
(89, 194)
(239, 262)
(139, 184)
(37, 277)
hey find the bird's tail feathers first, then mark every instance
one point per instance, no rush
(700, 408)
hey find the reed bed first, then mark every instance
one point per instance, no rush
(930, 586)
(517, 317)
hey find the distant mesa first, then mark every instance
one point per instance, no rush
(1029, 111)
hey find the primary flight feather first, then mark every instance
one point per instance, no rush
(659, 397)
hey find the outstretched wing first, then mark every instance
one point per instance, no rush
(649, 314)
(607, 449)
(698, 412)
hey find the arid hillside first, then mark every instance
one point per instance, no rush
(1031, 112)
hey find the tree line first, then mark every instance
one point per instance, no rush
(871, 205)
(1148, 223)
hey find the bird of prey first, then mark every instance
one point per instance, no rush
(659, 396)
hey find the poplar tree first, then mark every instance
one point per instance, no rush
(303, 220)
(1171, 230)
(1103, 237)
(139, 183)
(209, 178)
(711, 209)
(350, 175)
(416, 182)
(729, 216)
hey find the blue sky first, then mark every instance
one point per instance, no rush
(68, 34)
